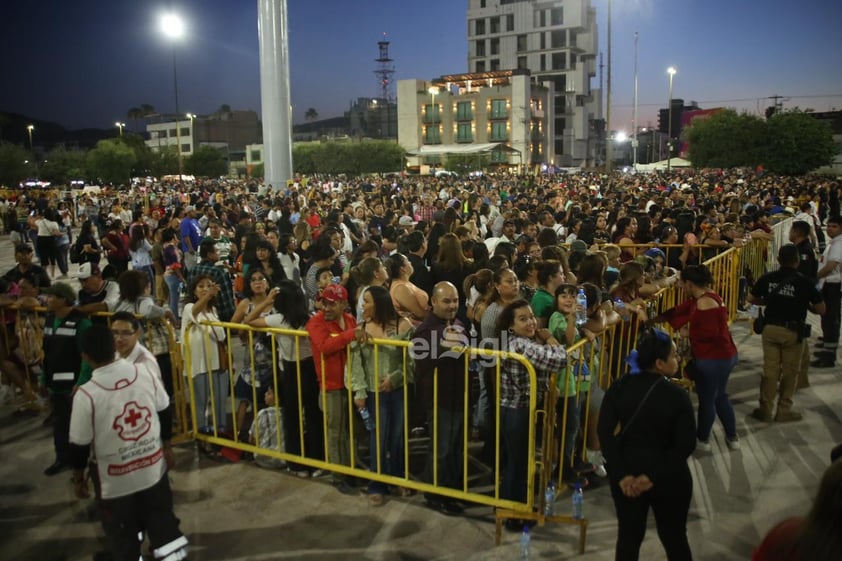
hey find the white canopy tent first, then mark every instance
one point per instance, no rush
(673, 162)
(440, 149)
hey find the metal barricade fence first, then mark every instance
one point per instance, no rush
(29, 346)
(475, 486)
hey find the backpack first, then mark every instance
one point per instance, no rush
(75, 253)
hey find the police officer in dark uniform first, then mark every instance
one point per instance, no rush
(63, 366)
(787, 295)
(799, 234)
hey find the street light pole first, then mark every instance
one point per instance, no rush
(173, 28)
(609, 149)
(671, 71)
(29, 129)
(120, 127)
(634, 118)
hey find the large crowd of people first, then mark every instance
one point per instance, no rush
(442, 262)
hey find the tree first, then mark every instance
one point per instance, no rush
(727, 139)
(311, 114)
(164, 161)
(63, 165)
(134, 114)
(14, 164)
(111, 161)
(352, 158)
(224, 108)
(206, 161)
(798, 143)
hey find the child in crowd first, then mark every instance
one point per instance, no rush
(265, 432)
(324, 277)
(570, 381)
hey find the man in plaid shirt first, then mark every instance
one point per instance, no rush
(207, 266)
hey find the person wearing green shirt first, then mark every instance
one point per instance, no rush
(550, 276)
(575, 376)
(64, 370)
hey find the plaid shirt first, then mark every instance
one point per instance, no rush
(514, 385)
(225, 299)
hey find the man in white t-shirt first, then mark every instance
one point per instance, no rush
(830, 281)
(115, 417)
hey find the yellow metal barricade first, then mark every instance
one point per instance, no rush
(469, 491)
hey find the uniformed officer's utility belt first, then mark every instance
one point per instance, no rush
(802, 329)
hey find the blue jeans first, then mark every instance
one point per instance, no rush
(711, 387)
(174, 286)
(202, 393)
(392, 433)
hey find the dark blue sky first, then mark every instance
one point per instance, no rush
(84, 63)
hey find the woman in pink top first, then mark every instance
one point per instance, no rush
(410, 301)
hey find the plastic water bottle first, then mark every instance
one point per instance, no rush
(578, 503)
(581, 308)
(620, 307)
(753, 311)
(366, 417)
(525, 538)
(549, 499)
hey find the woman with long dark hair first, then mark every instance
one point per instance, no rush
(451, 265)
(266, 258)
(713, 349)
(297, 370)
(647, 431)
(378, 381)
(815, 537)
(206, 366)
(140, 251)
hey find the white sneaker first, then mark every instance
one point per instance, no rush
(703, 445)
(598, 460)
(733, 444)
(7, 394)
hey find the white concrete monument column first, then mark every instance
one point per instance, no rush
(274, 91)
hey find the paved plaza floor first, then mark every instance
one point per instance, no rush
(241, 512)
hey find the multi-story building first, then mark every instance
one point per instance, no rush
(504, 113)
(373, 118)
(557, 42)
(229, 131)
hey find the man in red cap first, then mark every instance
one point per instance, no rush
(331, 330)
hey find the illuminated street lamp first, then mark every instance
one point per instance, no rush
(671, 71)
(120, 126)
(173, 28)
(29, 129)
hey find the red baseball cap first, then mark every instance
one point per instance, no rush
(334, 293)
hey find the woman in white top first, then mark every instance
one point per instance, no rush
(203, 362)
(297, 365)
(46, 245)
(140, 251)
(290, 260)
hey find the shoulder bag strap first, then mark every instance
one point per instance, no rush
(639, 407)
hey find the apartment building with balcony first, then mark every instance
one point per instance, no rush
(503, 113)
(557, 42)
